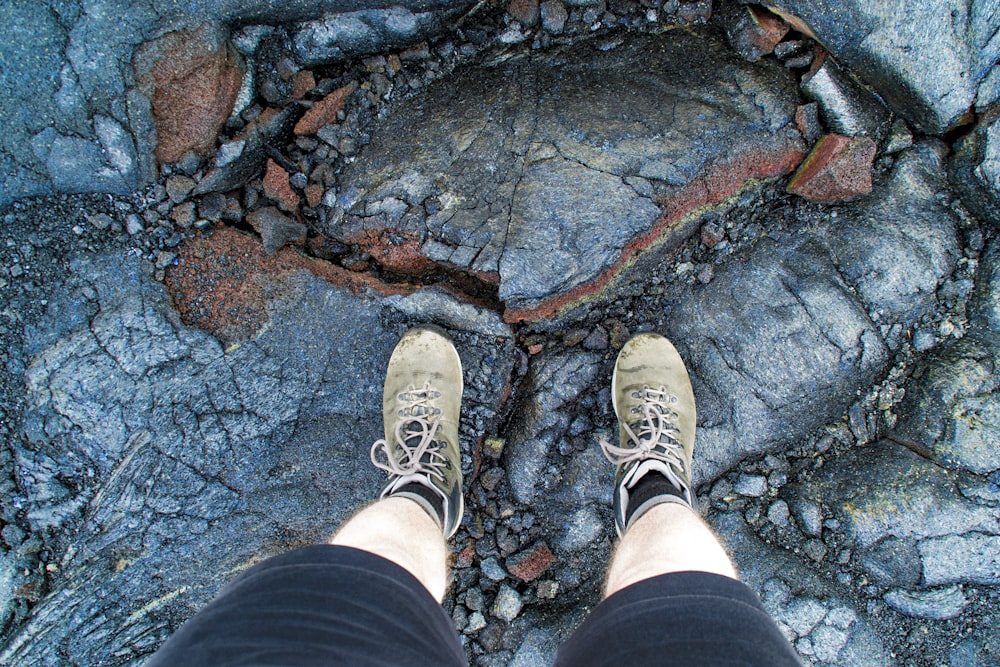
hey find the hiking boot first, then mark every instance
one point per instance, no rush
(654, 403)
(421, 400)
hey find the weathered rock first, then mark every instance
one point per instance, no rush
(951, 409)
(753, 32)
(898, 244)
(937, 604)
(502, 189)
(847, 107)
(192, 79)
(554, 16)
(338, 36)
(277, 188)
(837, 169)
(893, 562)
(975, 170)
(241, 159)
(926, 64)
(910, 500)
(525, 11)
(803, 602)
(508, 604)
(276, 229)
(531, 563)
(972, 558)
(325, 110)
(109, 164)
(164, 451)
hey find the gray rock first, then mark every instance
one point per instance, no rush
(923, 62)
(802, 615)
(847, 107)
(910, 498)
(975, 170)
(162, 451)
(952, 405)
(794, 593)
(754, 486)
(238, 161)
(436, 305)
(514, 186)
(508, 604)
(80, 165)
(343, 35)
(554, 16)
(892, 562)
(555, 381)
(937, 604)
(970, 558)
(899, 244)
(492, 568)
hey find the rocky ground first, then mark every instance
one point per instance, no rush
(192, 373)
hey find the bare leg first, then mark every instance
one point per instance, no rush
(400, 530)
(670, 537)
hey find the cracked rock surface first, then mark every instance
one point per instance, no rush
(179, 400)
(546, 172)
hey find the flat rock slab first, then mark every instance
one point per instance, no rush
(547, 173)
(170, 463)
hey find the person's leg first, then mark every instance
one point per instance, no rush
(671, 592)
(670, 537)
(371, 596)
(401, 531)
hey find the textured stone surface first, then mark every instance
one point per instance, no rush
(975, 169)
(952, 407)
(325, 110)
(503, 190)
(191, 78)
(67, 62)
(163, 451)
(926, 59)
(838, 168)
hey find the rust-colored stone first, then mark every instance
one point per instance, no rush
(838, 168)
(302, 83)
(192, 79)
(277, 188)
(725, 180)
(394, 250)
(314, 194)
(220, 282)
(525, 11)
(531, 563)
(325, 110)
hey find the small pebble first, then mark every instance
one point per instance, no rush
(753, 486)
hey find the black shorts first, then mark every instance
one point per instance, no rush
(327, 605)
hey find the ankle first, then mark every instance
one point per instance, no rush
(652, 490)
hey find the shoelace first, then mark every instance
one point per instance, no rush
(421, 423)
(654, 435)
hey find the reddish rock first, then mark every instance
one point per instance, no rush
(220, 283)
(314, 194)
(837, 169)
(324, 111)
(277, 188)
(753, 31)
(302, 83)
(525, 11)
(191, 79)
(531, 563)
(276, 229)
(807, 120)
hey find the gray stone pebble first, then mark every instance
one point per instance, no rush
(753, 486)
(508, 604)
